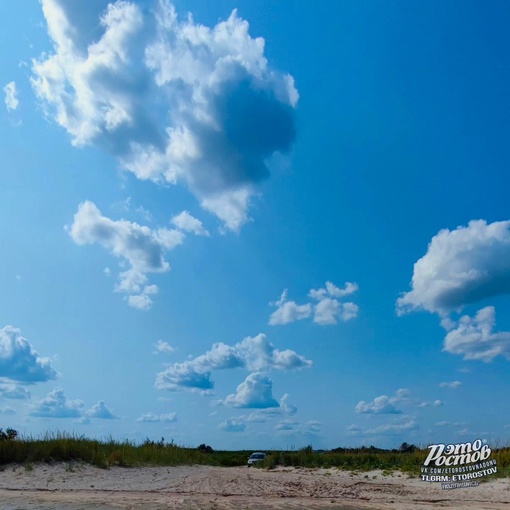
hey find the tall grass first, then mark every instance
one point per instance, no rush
(62, 447)
(352, 459)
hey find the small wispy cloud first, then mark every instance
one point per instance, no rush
(232, 425)
(142, 248)
(11, 98)
(452, 384)
(162, 346)
(158, 418)
(188, 223)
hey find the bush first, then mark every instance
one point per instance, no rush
(8, 435)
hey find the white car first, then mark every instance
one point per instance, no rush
(256, 457)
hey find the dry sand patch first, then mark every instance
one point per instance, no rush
(82, 487)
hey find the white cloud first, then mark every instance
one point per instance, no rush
(162, 346)
(184, 376)
(331, 290)
(19, 361)
(392, 405)
(175, 101)
(140, 302)
(258, 353)
(6, 410)
(474, 338)
(232, 425)
(434, 403)
(287, 408)
(453, 385)
(11, 99)
(252, 353)
(311, 427)
(256, 417)
(14, 391)
(328, 310)
(286, 425)
(100, 411)
(461, 266)
(158, 418)
(144, 213)
(288, 311)
(353, 430)
(292, 427)
(56, 405)
(255, 392)
(449, 423)
(405, 424)
(188, 223)
(380, 405)
(142, 248)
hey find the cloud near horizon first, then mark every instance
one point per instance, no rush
(174, 101)
(57, 405)
(252, 353)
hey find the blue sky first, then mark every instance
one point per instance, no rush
(266, 227)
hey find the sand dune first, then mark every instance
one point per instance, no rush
(72, 487)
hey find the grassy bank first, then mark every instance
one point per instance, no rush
(58, 447)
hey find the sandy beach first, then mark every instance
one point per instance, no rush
(75, 486)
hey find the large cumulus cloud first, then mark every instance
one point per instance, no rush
(20, 362)
(174, 100)
(461, 266)
(252, 353)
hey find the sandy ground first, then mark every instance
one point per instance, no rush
(82, 487)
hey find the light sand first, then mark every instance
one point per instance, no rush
(82, 487)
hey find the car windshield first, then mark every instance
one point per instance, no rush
(257, 455)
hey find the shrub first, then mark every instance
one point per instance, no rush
(8, 435)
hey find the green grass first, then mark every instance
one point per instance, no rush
(352, 459)
(68, 448)
(61, 447)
